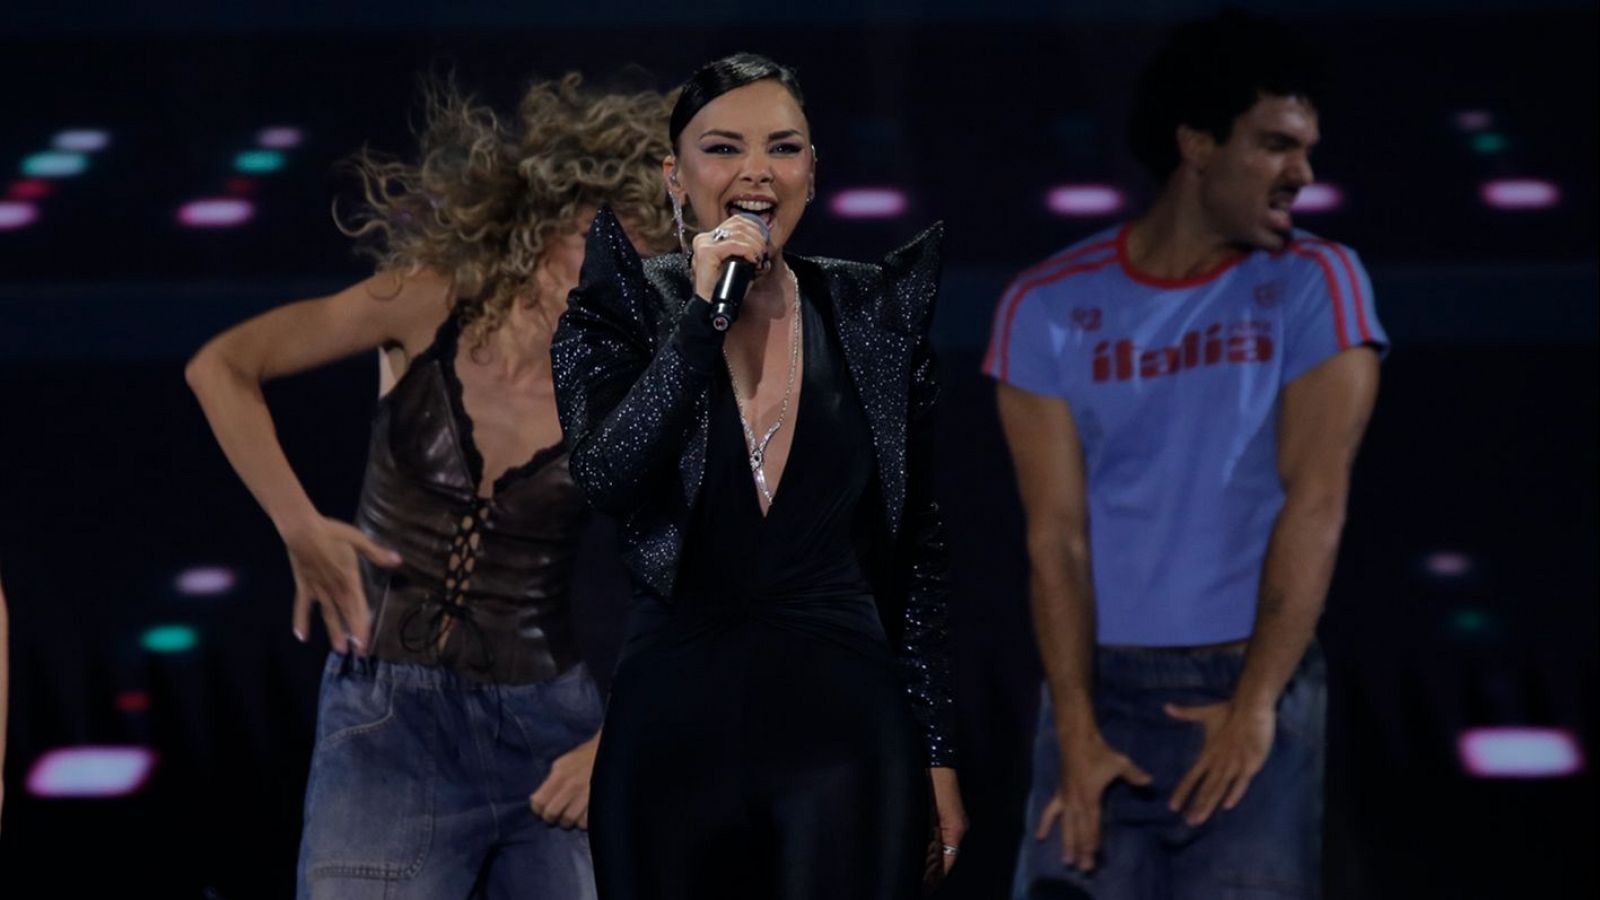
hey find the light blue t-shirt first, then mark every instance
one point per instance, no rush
(1174, 387)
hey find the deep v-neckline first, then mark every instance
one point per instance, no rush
(751, 491)
(447, 344)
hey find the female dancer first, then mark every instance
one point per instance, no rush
(762, 739)
(455, 687)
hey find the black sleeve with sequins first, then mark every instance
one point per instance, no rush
(925, 635)
(626, 398)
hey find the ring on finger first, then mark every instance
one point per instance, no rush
(719, 234)
(951, 849)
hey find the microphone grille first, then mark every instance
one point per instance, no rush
(760, 222)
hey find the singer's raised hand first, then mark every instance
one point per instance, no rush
(743, 239)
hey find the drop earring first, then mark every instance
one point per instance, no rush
(677, 218)
(811, 188)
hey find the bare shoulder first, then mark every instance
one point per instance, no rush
(412, 304)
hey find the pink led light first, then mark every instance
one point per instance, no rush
(206, 581)
(217, 212)
(29, 189)
(1474, 119)
(1447, 564)
(1520, 193)
(1519, 752)
(1084, 200)
(15, 214)
(868, 203)
(91, 771)
(1316, 198)
(280, 137)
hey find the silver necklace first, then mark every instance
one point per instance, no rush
(758, 449)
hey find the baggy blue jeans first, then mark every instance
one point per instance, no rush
(1269, 846)
(420, 781)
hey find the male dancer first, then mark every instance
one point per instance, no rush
(1183, 397)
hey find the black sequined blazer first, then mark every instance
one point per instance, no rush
(632, 391)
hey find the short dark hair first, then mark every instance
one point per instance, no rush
(714, 79)
(1211, 72)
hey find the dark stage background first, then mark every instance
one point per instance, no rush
(150, 597)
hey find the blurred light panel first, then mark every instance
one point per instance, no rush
(1447, 564)
(54, 164)
(241, 185)
(28, 189)
(1084, 200)
(91, 772)
(256, 162)
(217, 212)
(205, 581)
(280, 137)
(1472, 622)
(868, 203)
(17, 214)
(133, 702)
(1520, 193)
(1316, 198)
(1489, 143)
(1474, 120)
(1520, 753)
(169, 639)
(83, 140)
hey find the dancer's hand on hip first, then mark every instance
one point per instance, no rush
(1088, 767)
(322, 553)
(563, 798)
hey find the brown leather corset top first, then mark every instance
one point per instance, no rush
(484, 583)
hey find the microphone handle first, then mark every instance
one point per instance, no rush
(729, 293)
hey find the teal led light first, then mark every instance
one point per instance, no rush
(1475, 622)
(1489, 143)
(169, 639)
(54, 164)
(255, 162)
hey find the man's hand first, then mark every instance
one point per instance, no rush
(1238, 740)
(563, 798)
(1087, 769)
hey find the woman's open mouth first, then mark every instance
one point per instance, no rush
(763, 208)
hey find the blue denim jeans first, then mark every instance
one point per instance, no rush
(1269, 846)
(420, 781)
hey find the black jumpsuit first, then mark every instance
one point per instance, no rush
(758, 742)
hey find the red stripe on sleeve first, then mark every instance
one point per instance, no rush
(1333, 290)
(1041, 281)
(1360, 298)
(1012, 296)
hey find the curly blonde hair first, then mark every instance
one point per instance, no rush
(484, 196)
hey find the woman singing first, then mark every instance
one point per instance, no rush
(783, 696)
(455, 689)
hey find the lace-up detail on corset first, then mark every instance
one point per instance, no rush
(485, 586)
(429, 626)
